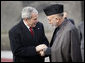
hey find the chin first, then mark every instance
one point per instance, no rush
(34, 25)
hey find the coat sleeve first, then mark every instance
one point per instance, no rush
(75, 46)
(17, 47)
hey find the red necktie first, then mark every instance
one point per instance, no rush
(31, 31)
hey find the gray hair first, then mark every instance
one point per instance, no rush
(27, 11)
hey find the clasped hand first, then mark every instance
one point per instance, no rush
(41, 49)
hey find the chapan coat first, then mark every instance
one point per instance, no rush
(66, 44)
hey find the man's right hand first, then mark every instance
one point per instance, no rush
(41, 47)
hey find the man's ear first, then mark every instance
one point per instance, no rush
(26, 19)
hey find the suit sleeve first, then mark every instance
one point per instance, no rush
(75, 46)
(17, 47)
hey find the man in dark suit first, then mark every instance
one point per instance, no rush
(26, 36)
(65, 43)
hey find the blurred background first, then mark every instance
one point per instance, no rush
(11, 15)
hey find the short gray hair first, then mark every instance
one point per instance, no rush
(26, 12)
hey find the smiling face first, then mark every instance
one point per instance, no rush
(33, 20)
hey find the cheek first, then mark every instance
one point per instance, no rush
(32, 21)
(53, 21)
(49, 22)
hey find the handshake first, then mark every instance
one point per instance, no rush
(41, 49)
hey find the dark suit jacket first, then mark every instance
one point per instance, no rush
(23, 44)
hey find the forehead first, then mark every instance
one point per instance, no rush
(34, 15)
(51, 16)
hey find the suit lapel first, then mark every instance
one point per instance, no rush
(36, 33)
(26, 31)
(27, 34)
(53, 37)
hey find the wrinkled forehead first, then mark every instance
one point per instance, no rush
(51, 16)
